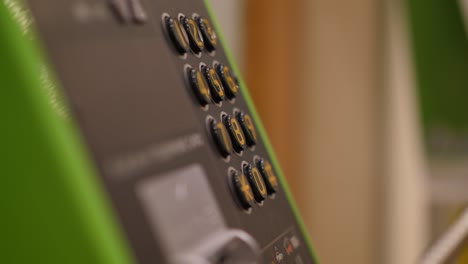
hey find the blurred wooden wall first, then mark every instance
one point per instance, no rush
(312, 68)
(273, 71)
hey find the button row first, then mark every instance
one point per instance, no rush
(254, 184)
(195, 33)
(233, 133)
(210, 85)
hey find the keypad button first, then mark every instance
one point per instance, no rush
(242, 190)
(256, 181)
(269, 177)
(208, 33)
(216, 88)
(221, 138)
(193, 33)
(228, 80)
(199, 86)
(235, 132)
(248, 128)
(177, 35)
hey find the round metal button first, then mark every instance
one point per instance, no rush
(228, 80)
(256, 181)
(269, 177)
(199, 86)
(177, 35)
(242, 190)
(235, 131)
(208, 33)
(248, 128)
(193, 33)
(216, 88)
(221, 138)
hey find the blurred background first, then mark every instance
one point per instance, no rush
(366, 105)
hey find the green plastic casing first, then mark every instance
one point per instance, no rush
(53, 206)
(53, 209)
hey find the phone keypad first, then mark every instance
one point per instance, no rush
(232, 133)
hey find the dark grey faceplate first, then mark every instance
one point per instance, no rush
(126, 88)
